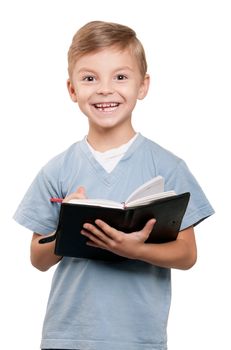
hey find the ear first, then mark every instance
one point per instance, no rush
(71, 91)
(144, 86)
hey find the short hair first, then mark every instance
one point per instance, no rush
(97, 35)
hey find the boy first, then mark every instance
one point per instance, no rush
(96, 305)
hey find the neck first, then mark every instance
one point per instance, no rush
(105, 139)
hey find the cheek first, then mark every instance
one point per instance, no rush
(132, 90)
(81, 96)
(133, 95)
(83, 93)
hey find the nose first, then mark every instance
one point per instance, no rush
(105, 87)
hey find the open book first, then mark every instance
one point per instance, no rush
(146, 193)
(148, 201)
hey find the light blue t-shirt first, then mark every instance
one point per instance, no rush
(96, 305)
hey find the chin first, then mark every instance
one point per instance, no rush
(106, 122)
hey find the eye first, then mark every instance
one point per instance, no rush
(88, 78)
(121, 77)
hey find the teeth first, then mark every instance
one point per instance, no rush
(106, 105)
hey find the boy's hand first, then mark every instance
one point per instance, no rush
(108, 238)
(78, 194)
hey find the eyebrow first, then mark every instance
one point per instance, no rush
(124, 68)
(86, 69)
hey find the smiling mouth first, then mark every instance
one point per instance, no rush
(106, 107)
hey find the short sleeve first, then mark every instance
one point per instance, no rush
(199, 208)
(36, 212)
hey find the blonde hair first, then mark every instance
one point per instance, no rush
(97, 35)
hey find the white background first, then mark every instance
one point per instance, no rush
(187, 111)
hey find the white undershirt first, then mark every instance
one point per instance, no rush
(109, 159)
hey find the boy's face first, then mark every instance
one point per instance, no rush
(106, 85)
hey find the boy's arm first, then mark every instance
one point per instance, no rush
(42, 255)
(180, 254)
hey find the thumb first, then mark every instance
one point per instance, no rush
(148, 227)
(80, 193)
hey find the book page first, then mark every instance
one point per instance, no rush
(153, 186)
(148, 199)
(106, 203)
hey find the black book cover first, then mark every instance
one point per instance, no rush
(168, 213)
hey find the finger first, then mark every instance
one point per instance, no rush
(109, 231)
(93, 239)
(147, 229)
(81, 192)
(96, 232)
(78, 194)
